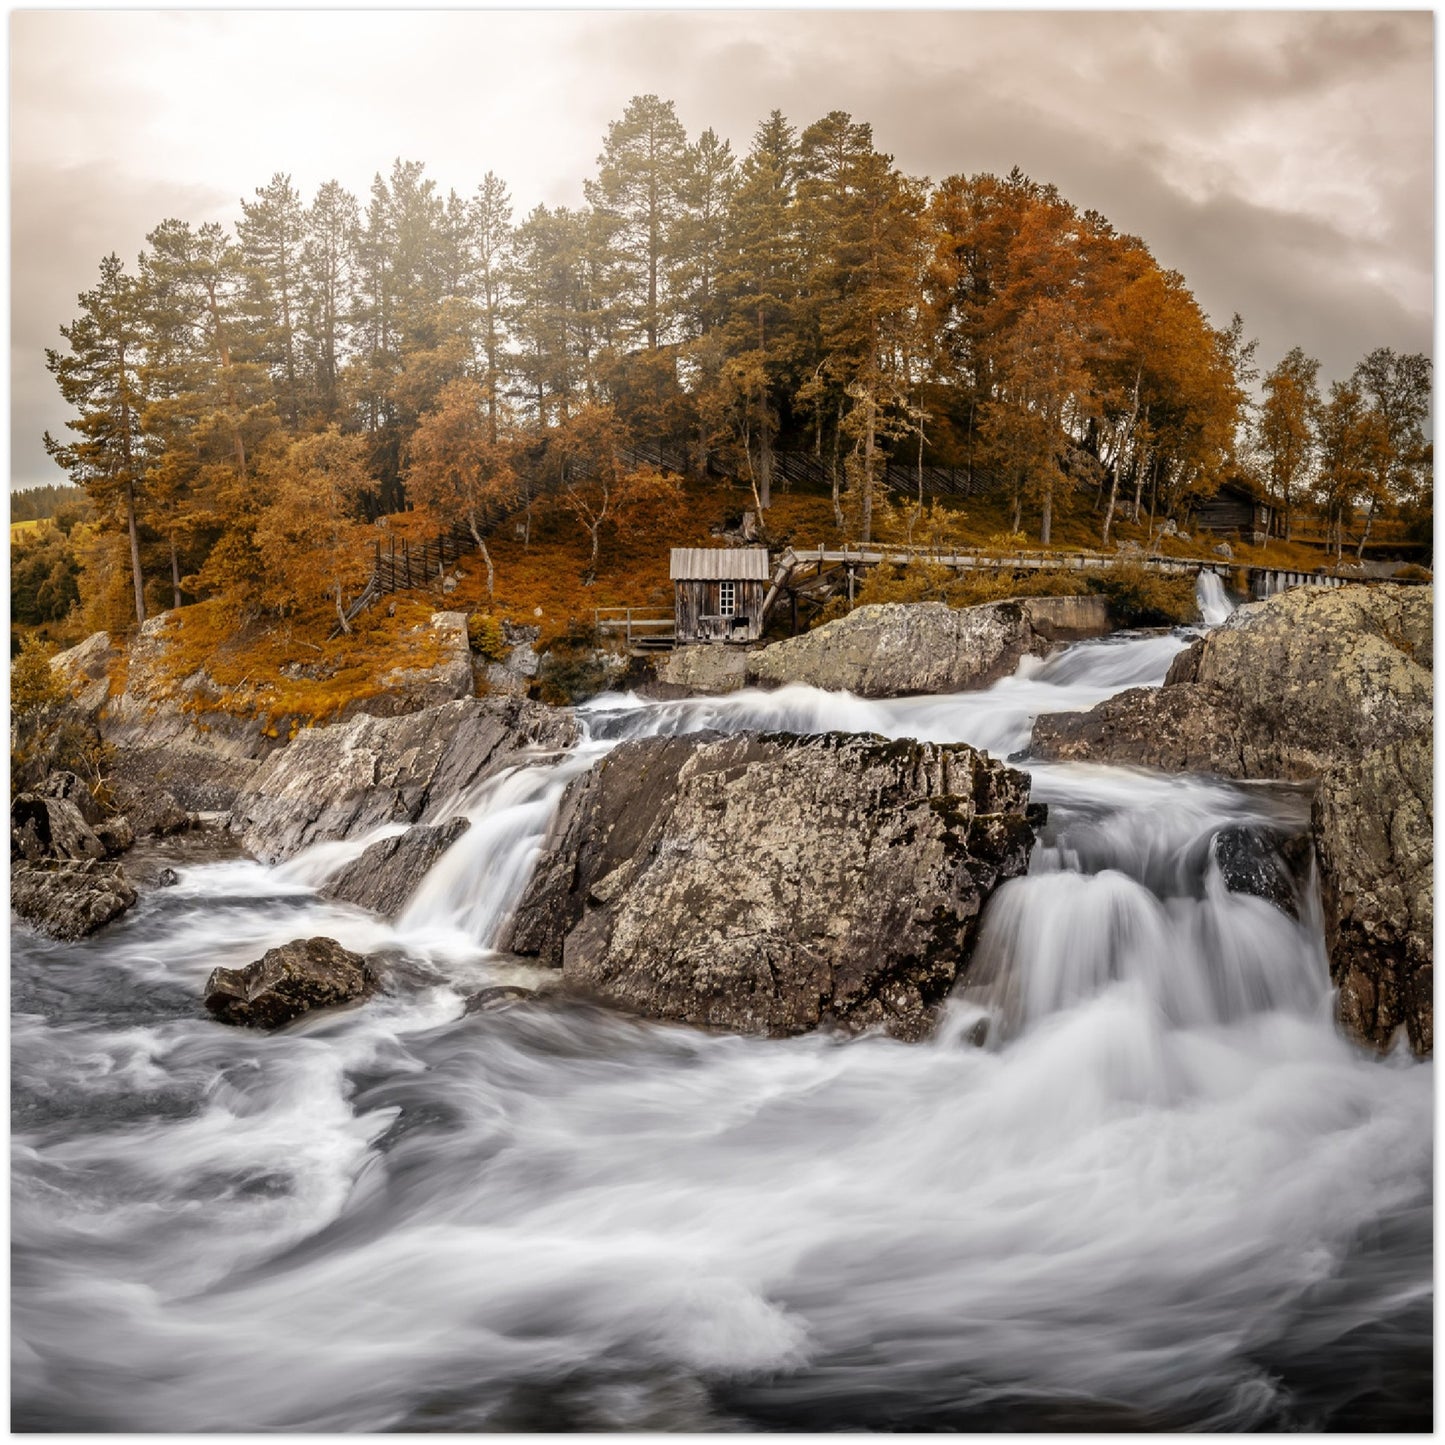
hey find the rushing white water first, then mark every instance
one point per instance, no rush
(1214, 604)
(1163, 1193)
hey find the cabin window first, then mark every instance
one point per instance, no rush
(727, 599)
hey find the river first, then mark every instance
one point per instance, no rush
(1163, 1193)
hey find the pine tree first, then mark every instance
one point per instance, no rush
(639, 186)
(271, 234)
(99, 378)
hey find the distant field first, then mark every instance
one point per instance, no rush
(20, 528)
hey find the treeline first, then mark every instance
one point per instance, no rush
(33, 504)
(245, 401)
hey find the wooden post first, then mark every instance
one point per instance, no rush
(406, 558)
(629, 629)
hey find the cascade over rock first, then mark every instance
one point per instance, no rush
(1314, 683)
(385, 876)
(769, 883)
(332, 782)
(897, 649)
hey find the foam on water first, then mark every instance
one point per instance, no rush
(1163, 1193)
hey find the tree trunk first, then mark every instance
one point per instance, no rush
(1369, 522)
(1113, 498)
(1046, 525)
(837, 457)
(341, 612)
(135, 572)
(175, 574)
(486, 556)
(869, 452)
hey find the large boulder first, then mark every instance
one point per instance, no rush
(1374, 827)
(45, 827)
(897, 649)
(332, 782)
(69, 900)
(287, 982)
(769, 883)
(386, 875)
(1315, 683)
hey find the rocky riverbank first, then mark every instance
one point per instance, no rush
(1335, 686)
(894, 649)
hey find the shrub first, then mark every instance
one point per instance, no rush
(1412, 572)
(484, 633)
(1140, 598)
(34, 684)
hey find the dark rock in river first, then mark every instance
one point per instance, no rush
(771, 883)
(331, 782)
(287, 982)
(385, 876)
(1323, 684)
(116, 834)
(69, 900)
(1265, 863)
(488, 1000)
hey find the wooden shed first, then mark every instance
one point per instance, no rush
(718, 593)
(1235, 507)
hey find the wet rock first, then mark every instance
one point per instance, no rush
(42, 827)
(116, 834)
(1265, 863)
(153, 812)
(897, 649)
(69, 900)
(334, 781)
(1373, 825)
(700, 671)
(287, 982)
(386, 875)
(167, 878)
(1316, 683)
(490, 999)
(766, 883)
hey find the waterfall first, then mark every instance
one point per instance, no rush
(1138, 1180)
(1214, 604)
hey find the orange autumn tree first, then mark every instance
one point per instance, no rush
(458, 467)
(596, 483)
(308, 539)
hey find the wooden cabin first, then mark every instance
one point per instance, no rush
(1235, 507)
(718, 593)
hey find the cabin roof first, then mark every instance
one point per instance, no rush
(719, 564)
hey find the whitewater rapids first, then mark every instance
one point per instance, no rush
(1164, 1193)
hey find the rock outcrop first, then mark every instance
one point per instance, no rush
(69, 900)
(47, 827)
(445, 678)
(86, 671)
(1335, 685)
(287, 982)
(331, 782)
(895, 649)
(386, 875)
(769, 883)
(701, 671)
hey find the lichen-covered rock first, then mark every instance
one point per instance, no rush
(287, 982)
(69, 900)
(1316, 683)
(74, 789)
(331, 782)
(385, 876)
(701, 671)
(1373, 825)
(768, 883)
(897, 649)
(116, 834)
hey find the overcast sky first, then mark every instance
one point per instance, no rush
(1283, 161)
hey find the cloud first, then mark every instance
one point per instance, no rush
(1283, 161)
